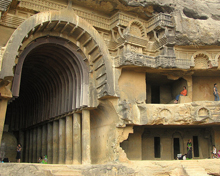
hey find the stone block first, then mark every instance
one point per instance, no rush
(184, 99)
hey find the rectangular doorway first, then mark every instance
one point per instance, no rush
(155, 94)
(156, 147)
(176, 147)
(196, 146)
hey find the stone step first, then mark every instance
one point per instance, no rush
(60, 170)
(65, 173)
(194, 169)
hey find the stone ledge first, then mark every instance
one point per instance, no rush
(184, 99)
(137, 168)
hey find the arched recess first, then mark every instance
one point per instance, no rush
(53, 79)
(136, 28)
(202, 62)
(65, 24)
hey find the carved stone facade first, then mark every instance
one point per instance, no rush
(88, 80)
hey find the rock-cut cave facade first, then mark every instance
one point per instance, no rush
(87, 82)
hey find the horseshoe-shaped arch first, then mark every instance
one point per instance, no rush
(86, 38)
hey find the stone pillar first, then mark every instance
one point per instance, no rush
(21, 141)
(27, 138)
(55, 141)
(3, 108)
(30, 146)
(50, 142)
(69, 139)
(77, 151)
(34, 145)
(86, 154)
(61, 141)
(44, 140)
(39, 141)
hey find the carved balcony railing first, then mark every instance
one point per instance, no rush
(104, 22)
(194, 113)
(163, 61)
(11, 20)
(183, 63)
(4, 4)
(160, 20)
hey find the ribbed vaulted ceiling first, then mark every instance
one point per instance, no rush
(51, 85)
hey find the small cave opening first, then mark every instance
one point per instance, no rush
(190, 13)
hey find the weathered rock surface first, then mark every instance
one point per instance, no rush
(197, 21)
(138, 168)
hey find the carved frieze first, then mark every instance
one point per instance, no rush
(204, 112)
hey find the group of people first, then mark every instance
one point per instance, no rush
(41, 159)
(189, 152)
(184, 93)
(214, 153)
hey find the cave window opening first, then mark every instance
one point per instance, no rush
(196, 146)
(156, 147)
(161, 90)
(155, 94)
(176, 147)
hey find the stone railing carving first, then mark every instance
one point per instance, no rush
(41, 5)
(154, 62)
(11, 20)
(4, 4)
(160, 20)
(199, 112)
(96, 20)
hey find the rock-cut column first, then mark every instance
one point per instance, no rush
(21, 141)
(27, 138)
(86, 153)
(44, 140)
(77, 151)
(62, 141)
(39, 141)
(69, 139)
(50, 142)
(55, 141)
(30, 147)
(34, 145)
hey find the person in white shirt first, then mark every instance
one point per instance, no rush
(214, 152)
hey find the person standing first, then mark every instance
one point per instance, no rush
(215, 92)
(189, 149)
(214, 152)
(18, 157)
(182, 93)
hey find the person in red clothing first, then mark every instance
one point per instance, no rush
(183, 93)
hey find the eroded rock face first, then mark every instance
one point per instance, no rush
(197, 21)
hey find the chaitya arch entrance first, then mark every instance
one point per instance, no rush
(53, 80)
(60, 68)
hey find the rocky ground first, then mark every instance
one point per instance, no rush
(133, 168)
